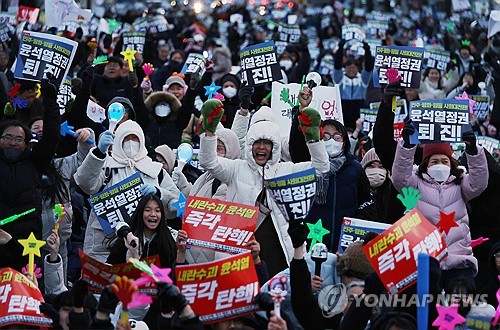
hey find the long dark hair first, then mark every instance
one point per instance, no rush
(426, 74)
(166, 242)
(455, 171)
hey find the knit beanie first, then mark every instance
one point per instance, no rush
(168, 155)
(232, 78)
(354, 262)
(370, 157)
(230, 141)
(437, 148)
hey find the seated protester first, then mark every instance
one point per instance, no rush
(467, 83)
(384, 205)
(100, 170)
(434, 86)
(444, 189)
(21, 168)
(344, 188)
(244, 178)
(170, 111)
(27, 107)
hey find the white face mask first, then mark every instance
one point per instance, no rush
(439, 172)
(229, 92)
(333, 148)
(162, 110)
(286, 64)
(131, 148)
(376, 176)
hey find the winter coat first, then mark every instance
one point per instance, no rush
(105, 89)
(447, 197)
(168, 130)
(53, 273)
(244, 178)
(92, 177)
(429, 91)
(21, 185)
(221, 56)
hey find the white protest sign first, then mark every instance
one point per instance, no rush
(95, 112)
(284, 97)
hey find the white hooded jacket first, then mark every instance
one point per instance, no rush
(91, 178)
(244, 178)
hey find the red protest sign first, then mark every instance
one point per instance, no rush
(20, 300)
(29, 14)
(393, 254)
(221, 289)
(99, 274)
(219, 225)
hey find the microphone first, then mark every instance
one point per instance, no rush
(313, 79)
(122, 230)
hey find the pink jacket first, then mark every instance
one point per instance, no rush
(446, 197)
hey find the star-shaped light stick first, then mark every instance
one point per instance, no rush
(446, 222)
(211, 90)
(448, 317)
(316, 232)
(129, 56)
(466, 97)
(31, 248)
(113, 24)
(180, 205)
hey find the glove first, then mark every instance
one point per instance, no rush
(341, 45)
(49, 88)
(170, 298)
(179, 178)
(9, 110)
(298, 233)
(107, 301)
(309, 122)
(366, 47)
(88, 76)
(132, 78)
(408, 130)
(373, 284)
(147, 189)
(79, 292)
(245, 95)
(393, 89)
(105, 141)
(146, 86)
(209, 66)
(264, 301)
(212, 112)
(470, 142)
(194, 80)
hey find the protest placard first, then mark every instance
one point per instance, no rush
(437, 59)
(195, 63)
(369, 117)
(289, 33)
(373, 43)
(64, 94)
(95, 112)
(354, 230)
(399, 116)
(482, 106)
(353, 31)
(407, 60)
(219, 225)
(98, 274)
(72, 26)
(259, 64)
(41, 53)
(393, 253)
(221, 289)
(294, 193)
(20, 301)
(326, 66)
(116, 203)
(280, 46)
(326, 100)
(440, 120)
(29, 14)
(4, 32)
(151, 24)
(489, 143)
(134, 40)
(376, 28)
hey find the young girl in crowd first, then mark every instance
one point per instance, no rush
(434, 86)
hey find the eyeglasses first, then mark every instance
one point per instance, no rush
(337, 137)
(10, 138)
(266, 143)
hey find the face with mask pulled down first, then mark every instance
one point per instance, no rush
(131, 145)
(376, 174)
(439, 167)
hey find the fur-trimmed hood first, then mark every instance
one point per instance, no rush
(160, 97)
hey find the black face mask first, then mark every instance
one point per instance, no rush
(12, 154)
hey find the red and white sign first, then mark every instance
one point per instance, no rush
(219, 225)
(221, 289)
(20, 300)
(29, 14)
(394, 253)
(99, 274)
